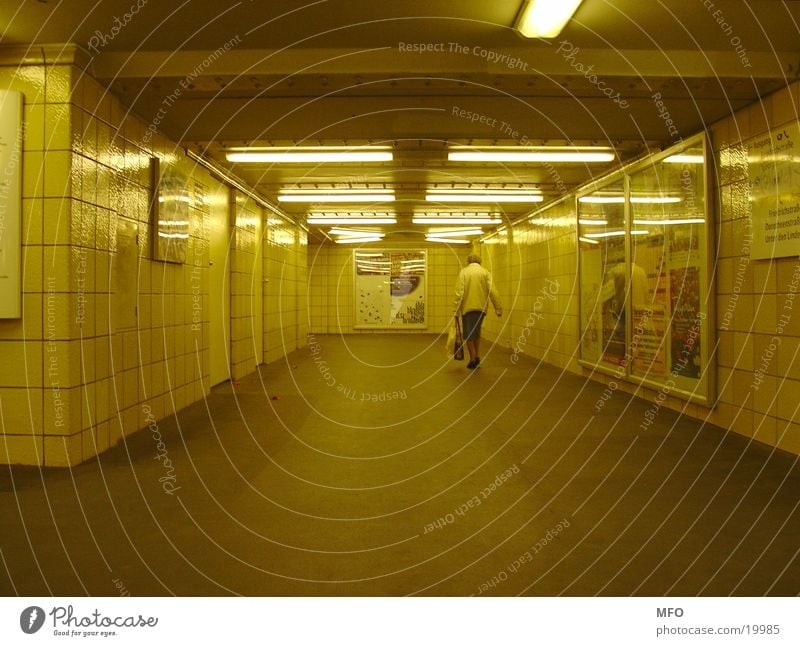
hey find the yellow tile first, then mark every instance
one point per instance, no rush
(32, 220)
(765, 277)
(62, 411)
(88, 406)
(34, 133)
(56, 221)
(21, 411)
(32, 174)
(58, 174)
(59, 83)
(102, 314)
(131, 388)
(59, 317)
(19, 449)
(58, 123)
(62, 364)
(765, 313)
(102, 358)
(56, 268)
(22, 363)
(62, 451)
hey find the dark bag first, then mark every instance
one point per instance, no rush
(458, 348)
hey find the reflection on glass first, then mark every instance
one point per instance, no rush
(601, 233)
(172, 213)
(666, 331)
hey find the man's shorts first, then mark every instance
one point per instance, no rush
(471, 322)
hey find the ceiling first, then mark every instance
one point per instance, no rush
(349, 72)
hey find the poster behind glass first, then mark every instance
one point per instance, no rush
(390, 289)
(601, 239)
(668, 231)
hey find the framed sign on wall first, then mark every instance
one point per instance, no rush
(170, 212)
(10, 204)
(390, 289)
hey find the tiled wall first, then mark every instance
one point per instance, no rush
(330, 280)
(535, 267)
(243, 261)
(756, 293)
(76, 375)
(28, 346)
(285, 288)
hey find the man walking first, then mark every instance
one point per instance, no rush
(474, 290)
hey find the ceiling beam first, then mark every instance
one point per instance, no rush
(556, 59)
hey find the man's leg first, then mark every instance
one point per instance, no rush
(472, 349)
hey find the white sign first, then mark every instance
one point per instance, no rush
(10, 203)
(773, 168)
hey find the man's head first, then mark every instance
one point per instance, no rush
(473, 258)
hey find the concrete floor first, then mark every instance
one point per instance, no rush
(312, 479)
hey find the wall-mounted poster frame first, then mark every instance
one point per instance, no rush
(661, 223)
(169, 209)
(390, 289)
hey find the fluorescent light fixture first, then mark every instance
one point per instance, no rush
(620, 199)
(589, 240)
(545, 18)
(674, 221)
(520, 154)
(587, 222)
(433, 219)
(684, 159)
(310, 154)
(447, 240)
(338, 195)
(612, 234)
(480, 197)
(357, 240)
(351, 218)
(602, 199)
(455, 233)
(666, 199)
(353, 232)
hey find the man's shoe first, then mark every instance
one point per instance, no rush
(472, 365)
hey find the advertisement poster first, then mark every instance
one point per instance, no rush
(591, 324)
(774, 177)
(390, 289)
(647, 346)
(686, 320)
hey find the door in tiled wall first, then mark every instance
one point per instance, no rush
(219, 287)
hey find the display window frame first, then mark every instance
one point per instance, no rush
(679, 312)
